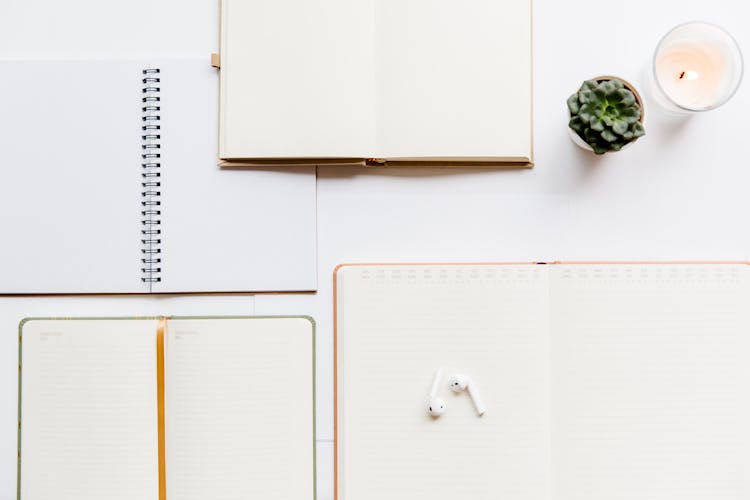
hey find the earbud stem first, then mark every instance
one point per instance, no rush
(436, 382)
(474, 394)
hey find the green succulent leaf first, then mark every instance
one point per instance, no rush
(589, 85)
(599, 149)
(608, 135)
(577, 124)
(627, 97)
(608, 87)
(630, 115)
(638, 130)
(591, 136)
(620, 127)
(597, 124)
(613, 95)
(587, 112)
(608, 120)
(573, 104)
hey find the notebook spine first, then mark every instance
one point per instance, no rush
(151, 175)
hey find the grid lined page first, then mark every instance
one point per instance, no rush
(395, 326)
(651, 382)
(88, 410)
(239, 395)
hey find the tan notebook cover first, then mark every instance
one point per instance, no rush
(376, 82)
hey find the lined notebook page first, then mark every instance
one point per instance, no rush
(651, 371)
(396, 325)
(240, 409)
(88, 410)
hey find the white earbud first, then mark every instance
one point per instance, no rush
(436, 406)
(460, 383)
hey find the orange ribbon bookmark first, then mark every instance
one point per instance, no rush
(162, 326)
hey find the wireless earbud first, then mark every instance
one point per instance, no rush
(460, 383)
(436, 406)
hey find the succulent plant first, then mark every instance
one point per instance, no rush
(605, 114)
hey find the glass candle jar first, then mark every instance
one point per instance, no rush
(697, 67)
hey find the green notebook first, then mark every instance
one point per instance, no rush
(237, 395)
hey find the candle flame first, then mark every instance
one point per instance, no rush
(689, 75)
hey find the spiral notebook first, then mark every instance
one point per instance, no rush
(174, 408)
(621, 380)
(115, 187)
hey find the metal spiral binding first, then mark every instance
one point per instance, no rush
(151, 176)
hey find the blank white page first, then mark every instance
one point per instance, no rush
(88, 410)
(651, 382)
(396, 325)
(74, 143)
(226, 230)
(71, 138)
(454, 78)
(297, 78)
(240, 409)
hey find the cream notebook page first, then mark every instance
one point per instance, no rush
(395, 326)
(297, 78)
(620, 381)
(88, 410)
(454, 78)
(376, 78)
(239, 409)
(651, 382)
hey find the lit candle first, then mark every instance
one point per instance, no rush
(697, 67)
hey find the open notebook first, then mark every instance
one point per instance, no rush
(387, 82)
(116, 189)
(618, 381)
(184, 408)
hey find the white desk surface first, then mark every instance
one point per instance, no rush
(681, 192)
